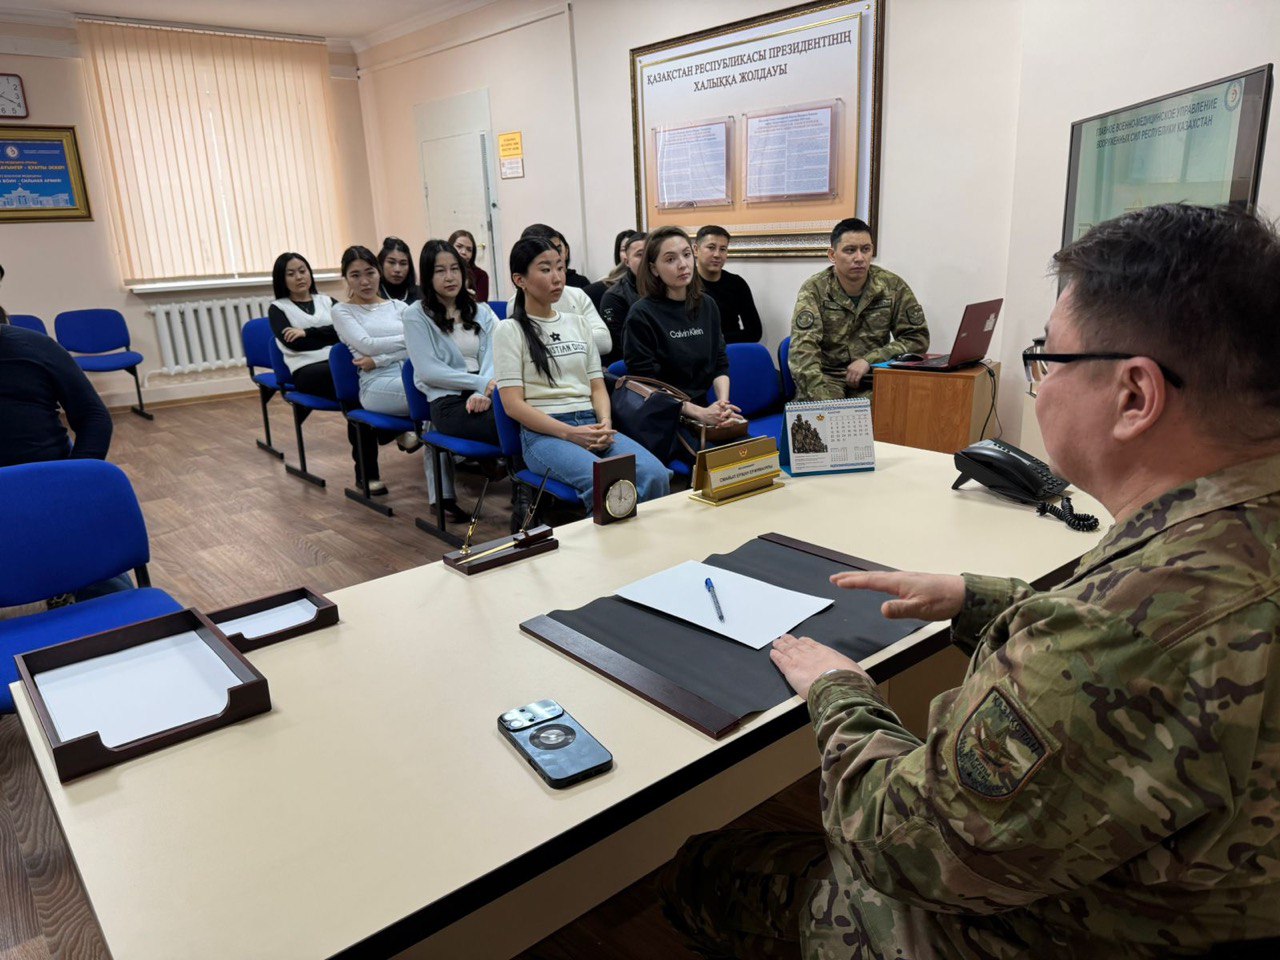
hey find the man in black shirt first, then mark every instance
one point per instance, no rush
(37, 376)
(617, 300)
(739, 320)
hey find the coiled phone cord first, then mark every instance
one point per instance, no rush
(1084, 522)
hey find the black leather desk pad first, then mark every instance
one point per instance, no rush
(708, 680)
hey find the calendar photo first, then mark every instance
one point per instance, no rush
(830, 435)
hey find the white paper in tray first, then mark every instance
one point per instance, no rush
(138, 692)
(755, 613)
(257, 625)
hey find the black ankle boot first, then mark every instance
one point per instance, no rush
(455, 512)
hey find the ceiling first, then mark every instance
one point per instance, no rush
(361, 21)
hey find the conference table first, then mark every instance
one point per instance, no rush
(376, 811)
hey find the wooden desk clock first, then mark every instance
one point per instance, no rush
(613, 489)
(736, 470)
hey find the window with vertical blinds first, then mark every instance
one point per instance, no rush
(219, 149)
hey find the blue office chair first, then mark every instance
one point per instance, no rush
(98, 333)
(754, 386)
(784, 365)
(499, 308)
(509, 439)
(255, 338)
(346, 384)
(80, 525)
(28, 321)
(440, 444)
(618, 368)
(302, 405)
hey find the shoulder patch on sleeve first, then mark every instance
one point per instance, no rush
(805, 320)
(997, 750)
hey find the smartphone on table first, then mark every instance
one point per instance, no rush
(554, 743)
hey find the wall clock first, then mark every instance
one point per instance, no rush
(13, 98)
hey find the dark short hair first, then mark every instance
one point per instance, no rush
(711, 230)
(850, 225)
(1195, 288)
(278, 284)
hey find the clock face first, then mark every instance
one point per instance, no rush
(13, 99)
(620, 499)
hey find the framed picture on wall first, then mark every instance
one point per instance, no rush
(769, 127)
(40, 175)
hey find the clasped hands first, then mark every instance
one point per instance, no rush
(920, 596)
(596, 437)
(714, 415)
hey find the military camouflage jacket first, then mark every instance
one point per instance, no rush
(1106, 782)
(829, 332)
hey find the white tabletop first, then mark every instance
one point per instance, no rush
(379, 784)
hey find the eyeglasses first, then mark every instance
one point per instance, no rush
(1036, 363)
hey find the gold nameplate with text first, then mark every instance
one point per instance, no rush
(739, 469)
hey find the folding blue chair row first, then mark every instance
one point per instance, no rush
(302, 405)
(256, 337)
(81, 525)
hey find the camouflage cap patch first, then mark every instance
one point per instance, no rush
(996, 749)
(805, 320)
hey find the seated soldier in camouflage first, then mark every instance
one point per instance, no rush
(1106, 781)
(850, 316)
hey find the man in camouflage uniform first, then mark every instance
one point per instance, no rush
(1106, 781)
(850, 316)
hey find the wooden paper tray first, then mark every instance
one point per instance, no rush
(325, 615)
(64, 682)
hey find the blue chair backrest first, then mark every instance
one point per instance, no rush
(256, 337)
(91, 331)
(28, 321)
(346, 376)
(283, 377)
(508, 429)
(618, 368)
(784, 364)
(753, 382)
(419, 409)
(499, 307)
(79, 523)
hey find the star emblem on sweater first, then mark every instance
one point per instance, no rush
(555, 338)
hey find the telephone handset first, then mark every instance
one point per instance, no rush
(1008, 471)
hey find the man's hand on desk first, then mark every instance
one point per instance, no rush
(802, 661)
(921, 596)
(854, 373)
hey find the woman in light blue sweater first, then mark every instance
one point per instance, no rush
(450, 341)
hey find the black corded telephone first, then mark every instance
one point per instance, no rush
(1015, 474)
(1008, 471)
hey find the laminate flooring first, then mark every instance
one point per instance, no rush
(227, 524)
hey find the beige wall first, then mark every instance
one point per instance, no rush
(531, 80)
(1073, 68)
(51, 267)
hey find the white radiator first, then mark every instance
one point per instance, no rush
(204, 334)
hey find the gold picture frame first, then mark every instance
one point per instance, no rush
(41, 178)
(825, 51)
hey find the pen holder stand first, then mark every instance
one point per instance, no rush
(497, 553)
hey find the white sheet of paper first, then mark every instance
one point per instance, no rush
(134, 693)
(755, 613)
(269, 621)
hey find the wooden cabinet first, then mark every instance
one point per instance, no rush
(933, 411)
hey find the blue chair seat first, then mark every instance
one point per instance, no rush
(461, 447)
(72, 622)
(99, 363)
(311, 402)
(771, 425)
(561, 491)
(382, 421)
(680, 468)
(267, 380)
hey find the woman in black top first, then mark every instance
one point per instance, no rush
(672, 333)
(477, 279)
(300, 320)
(398, 281)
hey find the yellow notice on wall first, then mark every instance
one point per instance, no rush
(510, 145)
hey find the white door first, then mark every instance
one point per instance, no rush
(458, 193)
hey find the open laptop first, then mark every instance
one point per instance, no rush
(972, 340)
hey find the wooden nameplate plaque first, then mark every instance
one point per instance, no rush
(500, 552)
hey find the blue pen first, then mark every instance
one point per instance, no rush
(711, 589)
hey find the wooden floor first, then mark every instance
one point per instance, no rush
(227, 524)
